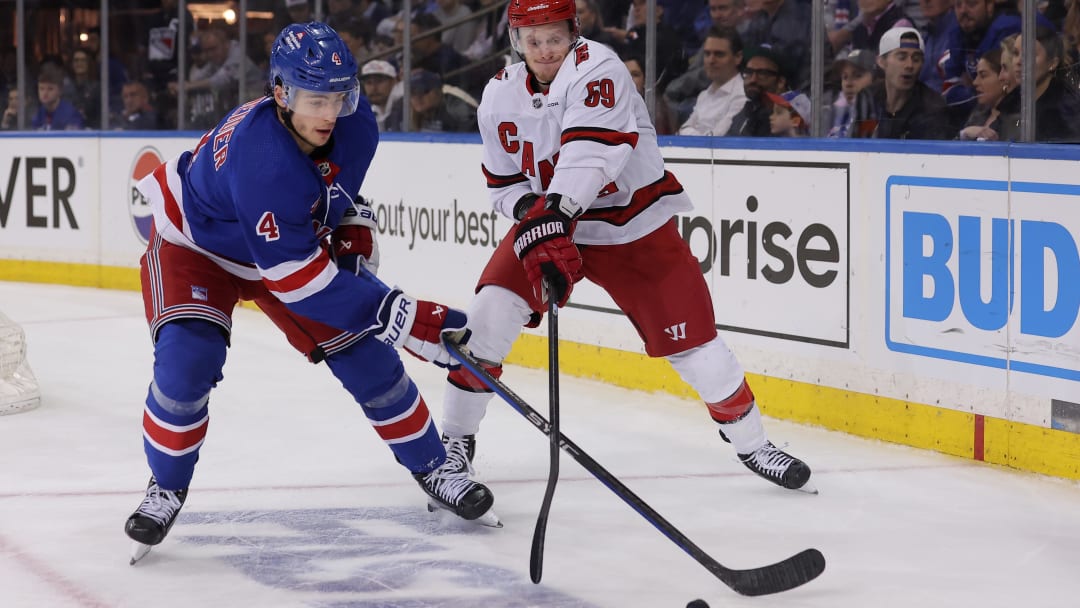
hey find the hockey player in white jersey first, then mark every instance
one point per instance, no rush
(570, 154)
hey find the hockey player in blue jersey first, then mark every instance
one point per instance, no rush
(263, 209)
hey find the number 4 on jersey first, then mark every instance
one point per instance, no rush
(267, 227)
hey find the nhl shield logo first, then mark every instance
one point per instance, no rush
(538, 103)
(142, 217)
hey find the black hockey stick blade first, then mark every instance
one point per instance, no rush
(536, 556)
(786, 574)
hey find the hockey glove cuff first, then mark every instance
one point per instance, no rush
(419, 325)
(354, 243)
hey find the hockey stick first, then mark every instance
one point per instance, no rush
(536, 557)
(786, 574)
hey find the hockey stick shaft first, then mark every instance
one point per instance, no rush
(786, 574)
(536, 557)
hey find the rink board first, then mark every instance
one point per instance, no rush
(922, 294)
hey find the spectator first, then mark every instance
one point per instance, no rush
(671, 60)
(763, 73)
(900, 107)
(856, 72)
(161, 41)
(379, 79)
(373, 11)
(138, 114)
(355, 34)
(85, 93)
(340, 14)
(790, 114)
(1057, 105)
(435, 106)
(784, 25)
(614, 11)
(663, 122)
(10, 120)
(681, 93)
(982, 124)
(55, 113)
(874, 19)
(299, 11)
(940, 19)
(592, 25)
(1071, 29)
(718, 104)
(461, 37)
(1010, 64)
(729, 13)
(979, 28)
(118, 72)
(213, 87)
(429, 53)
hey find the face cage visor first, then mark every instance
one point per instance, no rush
(322, 104)
(532, 39)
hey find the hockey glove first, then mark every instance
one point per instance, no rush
(353, 242)
(542, 241)
(418, 327)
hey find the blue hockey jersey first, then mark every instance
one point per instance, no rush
(251, 200)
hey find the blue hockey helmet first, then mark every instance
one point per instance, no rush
(312, 58)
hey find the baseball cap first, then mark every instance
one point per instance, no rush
(423, 81)
(795, 100)
(891, 40)
(378, 67)
(860, 58)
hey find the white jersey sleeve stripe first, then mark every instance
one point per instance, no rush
(295, 280)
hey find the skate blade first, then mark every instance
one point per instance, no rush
(489, 519)
(808, 487)
(138, 551)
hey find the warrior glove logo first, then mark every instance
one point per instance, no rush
(538, 233)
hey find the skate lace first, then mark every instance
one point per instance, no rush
(457, 455)
(451, 480)
(160, 505)
(771, 460)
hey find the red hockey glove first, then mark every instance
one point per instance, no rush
(353, 242)
(542, 241)
(419, 325)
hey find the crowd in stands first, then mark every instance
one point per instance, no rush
(895, 69)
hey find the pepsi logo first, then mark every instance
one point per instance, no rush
(142, 216)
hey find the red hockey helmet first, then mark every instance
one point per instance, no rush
(522, 13)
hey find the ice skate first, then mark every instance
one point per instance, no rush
(449, 487)
(779, 467)
(151, 522)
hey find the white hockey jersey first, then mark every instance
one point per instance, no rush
(589, 137)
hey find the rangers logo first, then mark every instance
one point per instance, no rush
(336, 58)
(142, 216)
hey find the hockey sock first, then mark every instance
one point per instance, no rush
(373, 374)
(188, 357)
(402, 419)
(466, 400)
